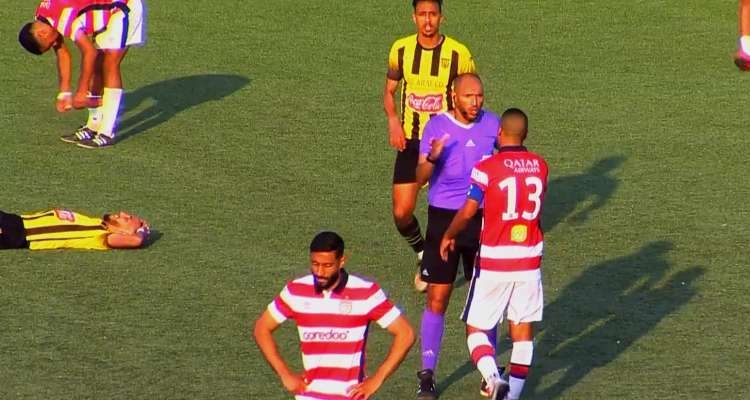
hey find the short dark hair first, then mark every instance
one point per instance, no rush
(327, 241)
(517, 113)
(27, 39)
(439, 3)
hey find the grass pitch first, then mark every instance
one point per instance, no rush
(250, 126)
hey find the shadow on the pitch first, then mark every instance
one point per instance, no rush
(595, 186)
(455, 376)
(153, 236)
(173, 96)
(603, 312)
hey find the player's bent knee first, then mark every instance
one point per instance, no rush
(403, 216)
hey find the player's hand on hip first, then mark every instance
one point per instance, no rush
(364, 390)
(64, 102)
(294, 383)
(446, 246)
(396, 134)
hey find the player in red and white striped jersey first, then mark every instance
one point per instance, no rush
(103, 30)
(512, 184)
(742, 57)
(332, 310)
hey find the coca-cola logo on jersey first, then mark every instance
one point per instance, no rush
(430, 103)
(329, 335)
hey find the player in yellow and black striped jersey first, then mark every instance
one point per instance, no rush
(425, 64)
(65, 229)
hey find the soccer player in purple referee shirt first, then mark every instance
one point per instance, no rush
(452, 143)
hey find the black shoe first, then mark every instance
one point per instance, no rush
(80, 134)
(99, 141)
(426, 389)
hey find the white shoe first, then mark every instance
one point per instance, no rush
(499, 388)
(419, 285)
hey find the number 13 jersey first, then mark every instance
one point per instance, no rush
(513, 182)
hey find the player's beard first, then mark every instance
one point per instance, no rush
(328, 283)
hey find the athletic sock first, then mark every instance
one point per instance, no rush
(95, 114)
(483, 355)
(413, 235)
(431, 332)
(520, 362)
(745, 45)
(111, 99)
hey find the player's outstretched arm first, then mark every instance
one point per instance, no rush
(396, 137)
(460, 220)
(403, 339)
(64, 100)
(263, 334)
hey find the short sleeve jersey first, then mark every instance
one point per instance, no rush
(426, 77)
(64, 229)
(71, 17)
(332, 327)
(466, 145)
(514, 182)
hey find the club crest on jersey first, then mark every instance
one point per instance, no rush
(345, 307)
(445, 62)
(430, 103)
(519, 233)
(65, 215)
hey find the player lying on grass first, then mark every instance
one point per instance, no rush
(65, 229)
(103, 30)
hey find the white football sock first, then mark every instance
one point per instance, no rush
(95, 117)
(487, 367)
(520, 362)
(745, 44)
(111, 99)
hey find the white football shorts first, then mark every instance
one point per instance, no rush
(489, 300)
(124, 28)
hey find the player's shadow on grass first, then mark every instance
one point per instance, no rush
(603, 312)
(594, 186)
(153, 236)
(174, 96)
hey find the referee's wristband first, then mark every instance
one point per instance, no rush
(64, 95)
(430, 160)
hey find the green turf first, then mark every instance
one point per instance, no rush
(252, 125)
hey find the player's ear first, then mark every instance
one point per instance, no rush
(343, 260)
